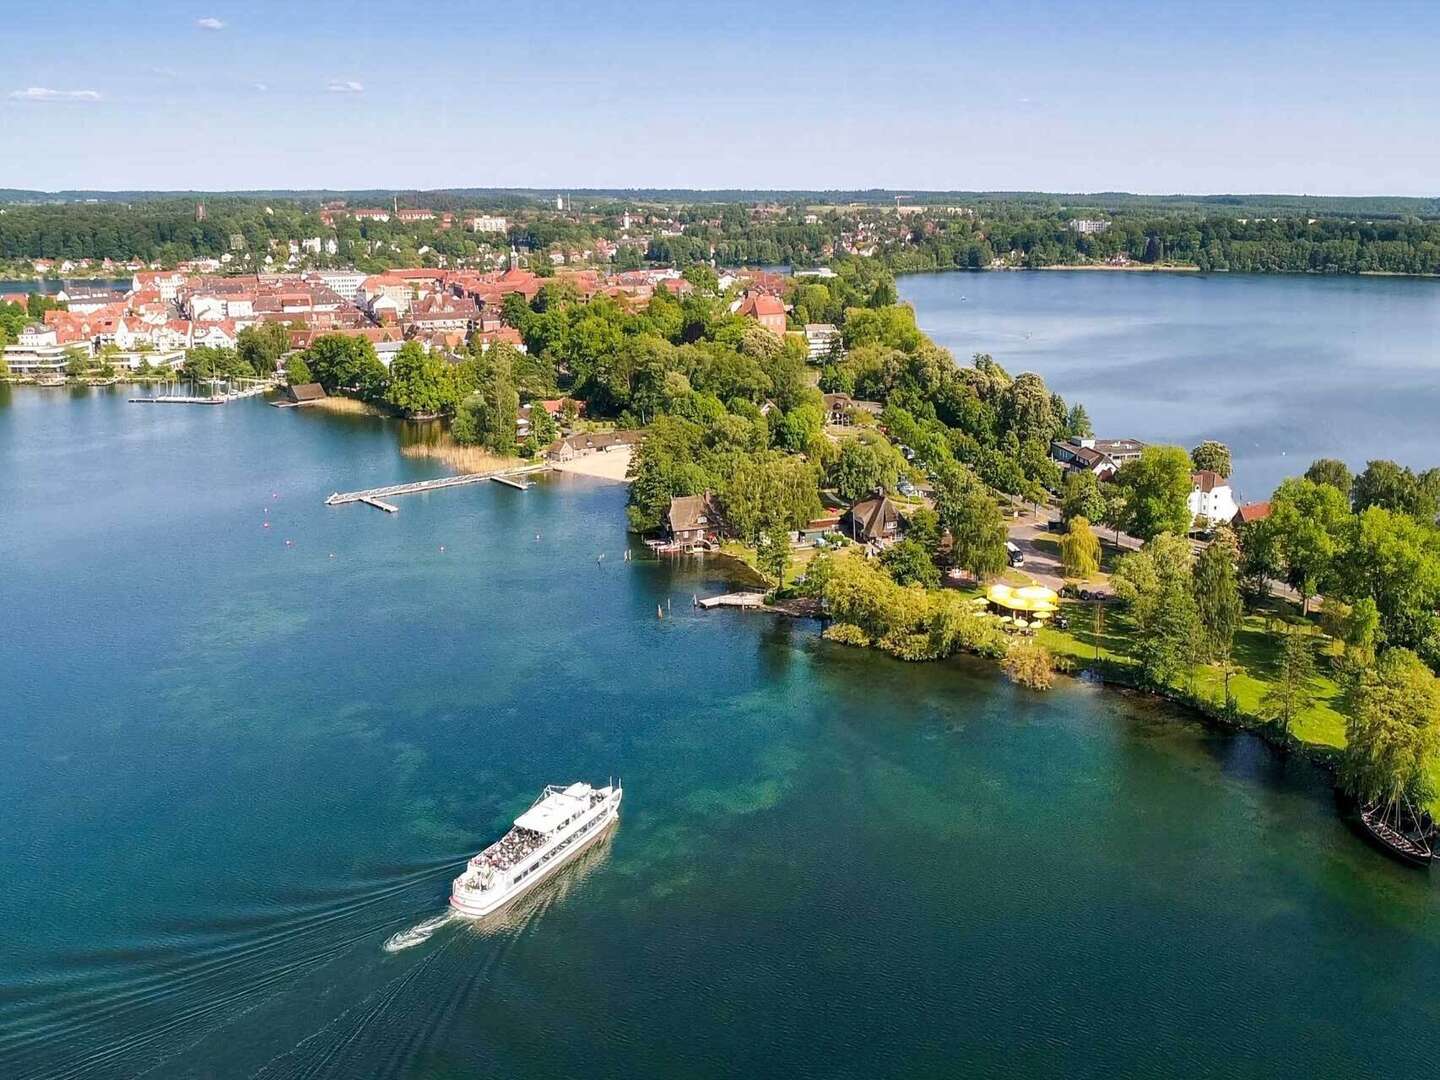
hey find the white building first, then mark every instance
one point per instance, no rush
(1088, 226)
(487, 223)
(820, 339)
(345, 282)
(310, 245)
(1211, 498)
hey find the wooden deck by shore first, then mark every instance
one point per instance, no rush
(376, 496)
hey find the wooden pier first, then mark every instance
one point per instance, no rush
(734, 599)
(371, 495)
(500, 478)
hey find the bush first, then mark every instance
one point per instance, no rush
(1029, 664)
(847, 634)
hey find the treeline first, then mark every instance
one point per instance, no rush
(1208, 241)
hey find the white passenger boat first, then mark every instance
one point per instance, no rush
(560, 824)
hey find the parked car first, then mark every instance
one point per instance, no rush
(1013, 555)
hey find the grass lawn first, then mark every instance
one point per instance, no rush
(1256, 648)
(800, 558)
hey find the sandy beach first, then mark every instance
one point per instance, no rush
(604, 465)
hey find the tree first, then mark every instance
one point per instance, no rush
(1211, 455)
(77, 363)
(421, 383)
(977, 530)
(774, 553)
(1392, 731)
(1080, 550)
(1082, 496)
(1330, 471)
(1157, 585)
(1217, 595)
(1156, 492)
(1292, 686)
(864, 467)
(909, 562)
(487, 416)
(1308, 522)
(767, 491)
(262, 345)
(297, 372)
(1394, 487)
(542, 425)
(1395, 560)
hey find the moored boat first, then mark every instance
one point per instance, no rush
(560, 824)
(1399, 832)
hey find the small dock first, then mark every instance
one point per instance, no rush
(389, 508)
(734, 599)
(373, 495)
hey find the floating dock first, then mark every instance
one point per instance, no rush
(370, 495)
(389, 508)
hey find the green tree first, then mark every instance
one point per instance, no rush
(1217, 595)
(864, 467)
(767, 491)
(1308, 522)
(542, 425)
(1156, 490)
(910, 563)
(774, 553)
(1156, 582)
(297, 371)
(1082, 496)
(1395, 560)
(1330, 471)
(487, 416)
(1080, 550)
(1211, 455)
(1393, 487)
(976, 527)
(421, 383)
(1292, 685)
(1392, 731)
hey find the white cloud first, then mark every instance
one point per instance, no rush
(44, 93)
(262, 87)
(210, 23)
(345, 86)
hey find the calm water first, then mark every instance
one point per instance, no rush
(232, 767)
(1284, 368)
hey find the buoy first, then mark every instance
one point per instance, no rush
(266, 525)
(442, 547)
(289, 543)
(332, 554)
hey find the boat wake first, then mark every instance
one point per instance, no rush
(417, 934)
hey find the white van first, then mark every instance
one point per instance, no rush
(1013, 555)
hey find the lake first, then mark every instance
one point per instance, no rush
(1283, 368)
(248, 737)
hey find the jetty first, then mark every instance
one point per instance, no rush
(389, 508)
(511, 481)
(371, 496)
(734, 599)
(178, 399)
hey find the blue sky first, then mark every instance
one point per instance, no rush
(1322, 97)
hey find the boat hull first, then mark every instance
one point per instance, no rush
(473, 905)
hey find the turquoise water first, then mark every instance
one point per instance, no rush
(1284, 368)
(231, 768)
